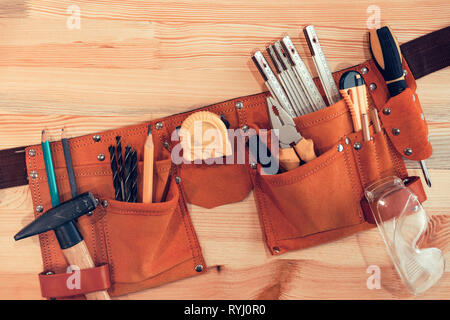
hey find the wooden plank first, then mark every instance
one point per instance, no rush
(138, 60)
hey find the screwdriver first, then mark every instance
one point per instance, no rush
(388, 59)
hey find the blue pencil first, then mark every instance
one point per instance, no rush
(51, 178)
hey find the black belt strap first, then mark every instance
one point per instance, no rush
(424, 55)
(428, 53)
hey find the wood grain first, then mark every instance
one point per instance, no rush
(137, 60)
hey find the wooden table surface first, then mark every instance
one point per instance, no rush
(132, 61)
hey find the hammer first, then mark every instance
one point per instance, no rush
(61, 220)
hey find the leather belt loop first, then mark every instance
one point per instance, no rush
(61, 285)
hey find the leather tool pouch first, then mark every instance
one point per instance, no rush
(146, 245)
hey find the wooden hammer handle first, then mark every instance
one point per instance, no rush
(78, 255)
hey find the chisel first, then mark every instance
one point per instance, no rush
(388, 58)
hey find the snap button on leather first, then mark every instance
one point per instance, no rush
(364, 70)
(408, 151)
(96, 137)
(396, 131)
(158, 125)
(199, 268)
(372, 86)
(357, 145)
(239, 105)
(39, 208)
(33, 175)
(31, 152)
(101, 157)
(386, 111)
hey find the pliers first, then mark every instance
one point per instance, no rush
(293, 147)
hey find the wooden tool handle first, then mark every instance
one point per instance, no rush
(78, 255)
(288, 156)
(305, 149)
(288, 159)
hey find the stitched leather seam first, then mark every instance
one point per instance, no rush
(324, 119)
(312, 171)
(267, 220)
(109, 249)
(160, 273)
(319, 232)
(377, 159)
(184, 215)
(352, 180)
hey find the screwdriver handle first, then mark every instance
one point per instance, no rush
(388, 58)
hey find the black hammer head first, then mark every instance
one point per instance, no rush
(59, 215)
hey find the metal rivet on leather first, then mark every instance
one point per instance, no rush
(96, 201)
(158, 125)
(245, 128)
(364, 70)
(340, 147)
(31, 152)
(101, 157)
(253, 165)
(405, 72)
(49, 273)
(90, 213)
(105, 203)
(386, 111)
(39, 208)
(33, 175)
(199, 268)
(372, 86)
(276, 250)
(357, 145)
(96, 137)
(177, 180)
(347, 141)
(166, 144)
(396, 131)
(239, 105)
(408, 151)
(372, 138)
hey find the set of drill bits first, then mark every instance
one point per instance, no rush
(294, 89)
(124, 171)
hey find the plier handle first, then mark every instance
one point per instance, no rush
(293, 147)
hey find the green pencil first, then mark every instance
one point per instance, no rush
(49, 169)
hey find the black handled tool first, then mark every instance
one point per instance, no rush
(388, 58)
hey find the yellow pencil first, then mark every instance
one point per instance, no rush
(147, 193)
